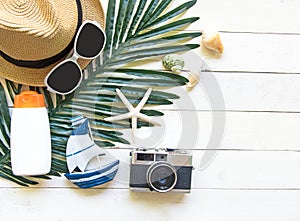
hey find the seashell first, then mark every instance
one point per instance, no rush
(173, 62)
(193, 80)
(212, 41)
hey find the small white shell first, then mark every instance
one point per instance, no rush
(193, 80)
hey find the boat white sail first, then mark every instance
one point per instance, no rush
(96, 164)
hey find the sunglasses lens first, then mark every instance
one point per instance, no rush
(90, 41)
(65, 77)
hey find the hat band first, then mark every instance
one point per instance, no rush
(48, 61)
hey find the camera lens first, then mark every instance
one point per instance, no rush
(161, 177)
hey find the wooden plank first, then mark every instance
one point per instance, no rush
(240, 92)
(230, 170)
(256, 53)
(219, 91)
(269, 16)
(219, 130)
(248, 15)
(244, 52)
(214, 205)
(223, 169)
(230, 130)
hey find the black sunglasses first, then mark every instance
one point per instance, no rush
(65, 77)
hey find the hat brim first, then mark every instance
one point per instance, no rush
(91, 10)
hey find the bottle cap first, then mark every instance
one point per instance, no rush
(29, 99)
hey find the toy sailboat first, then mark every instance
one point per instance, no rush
(97, 166)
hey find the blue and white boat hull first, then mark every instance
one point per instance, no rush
(94, 177)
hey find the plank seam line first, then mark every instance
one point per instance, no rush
(241, 32)
(127, 189)
(249, 72)
(248, 149)
(232, 111)
(259, 32)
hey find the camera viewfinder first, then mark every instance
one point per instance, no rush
(145, 157)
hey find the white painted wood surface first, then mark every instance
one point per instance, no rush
(248, 99)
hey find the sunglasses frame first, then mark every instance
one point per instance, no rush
(75, 56)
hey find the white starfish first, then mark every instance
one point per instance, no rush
(134, 112)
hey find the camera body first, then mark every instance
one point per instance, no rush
(161, 170)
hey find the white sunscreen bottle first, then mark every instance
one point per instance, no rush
(30, 138)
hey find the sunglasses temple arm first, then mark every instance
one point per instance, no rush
(50, 89)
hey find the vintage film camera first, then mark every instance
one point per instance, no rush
(161, 170)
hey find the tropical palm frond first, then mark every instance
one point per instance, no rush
(135, 30)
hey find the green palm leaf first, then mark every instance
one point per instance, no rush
(175, 12)
(135, 30)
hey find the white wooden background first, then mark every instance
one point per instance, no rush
(255, 174)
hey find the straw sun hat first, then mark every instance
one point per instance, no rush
(35, 35)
